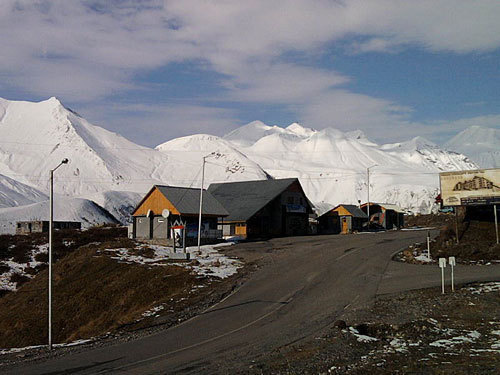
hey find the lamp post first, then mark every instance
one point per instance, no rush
(368, 191)
(201, 201)
(201, 197)
(51, 224)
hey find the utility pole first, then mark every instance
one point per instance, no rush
(51, 225)
(201, 201)
(368, 191)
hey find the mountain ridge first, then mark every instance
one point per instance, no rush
(113, 171)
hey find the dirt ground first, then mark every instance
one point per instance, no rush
(97, 296)
(418, 332)
(476, 242)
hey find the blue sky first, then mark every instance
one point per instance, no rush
(155, 70)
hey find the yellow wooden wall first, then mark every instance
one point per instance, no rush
(342, 211)
(155, 202)
(240, 230)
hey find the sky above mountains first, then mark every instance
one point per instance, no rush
(155, 70)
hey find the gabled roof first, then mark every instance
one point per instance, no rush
(354, 210)
(187, 200)
(245, 198)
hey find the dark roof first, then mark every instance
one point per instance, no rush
(245, 198)
(354, 210)
(187, 200)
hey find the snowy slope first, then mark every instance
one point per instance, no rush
(35, 137)
(224, 161)
(115, 173)
(14, 193)
(118, 203)
(331, 165)
(68, 209)
(481, 144)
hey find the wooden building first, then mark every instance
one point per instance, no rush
(344, 218)
(385, 215)
(42, 226)
(264, 208)
(165, 206)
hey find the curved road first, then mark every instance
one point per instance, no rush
(305, 285)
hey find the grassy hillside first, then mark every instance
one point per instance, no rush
(92, 294)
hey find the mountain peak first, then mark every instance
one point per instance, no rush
(300, 130)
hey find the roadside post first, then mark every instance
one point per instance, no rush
(429, 244)
(442, 265)
(452, 262)
(496, 221)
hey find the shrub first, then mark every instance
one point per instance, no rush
(18, 278)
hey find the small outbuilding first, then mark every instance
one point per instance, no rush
(263, 208)
(166, 206)
(385, 215)
(42, 226)
(344, 218)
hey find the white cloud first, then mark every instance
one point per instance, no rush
(152, 125)
(85, 50)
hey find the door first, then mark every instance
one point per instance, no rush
(345, 225)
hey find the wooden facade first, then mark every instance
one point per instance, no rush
(148, 221)
(156, 202)
(282, 208)
(343, 219)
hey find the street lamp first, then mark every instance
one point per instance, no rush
(368, 190)
(201, 197)
(51, 224)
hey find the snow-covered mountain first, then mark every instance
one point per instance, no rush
(14, 193)
(86, 211)
(331, 164)
(114, 172)
(224, 161)
(35, 137)
(104, 166)
(481, 144)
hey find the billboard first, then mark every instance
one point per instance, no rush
(475, 187)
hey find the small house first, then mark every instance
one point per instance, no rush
(263, 208)
(344, 218)
(385, 215)
(42, 226)
(166, 206)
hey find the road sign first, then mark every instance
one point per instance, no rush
(442, 262)
(453, 263)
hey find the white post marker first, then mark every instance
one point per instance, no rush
(442, 265)
(429, 244)
(453, 263)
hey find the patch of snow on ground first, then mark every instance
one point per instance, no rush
(470, 337)
(64, 345)
(154, 311)
(360, 337)
(423, 258)
(398, 345)
(20, 268)
(485, 288)
(210, 261)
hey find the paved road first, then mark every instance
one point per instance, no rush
(305, 285)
